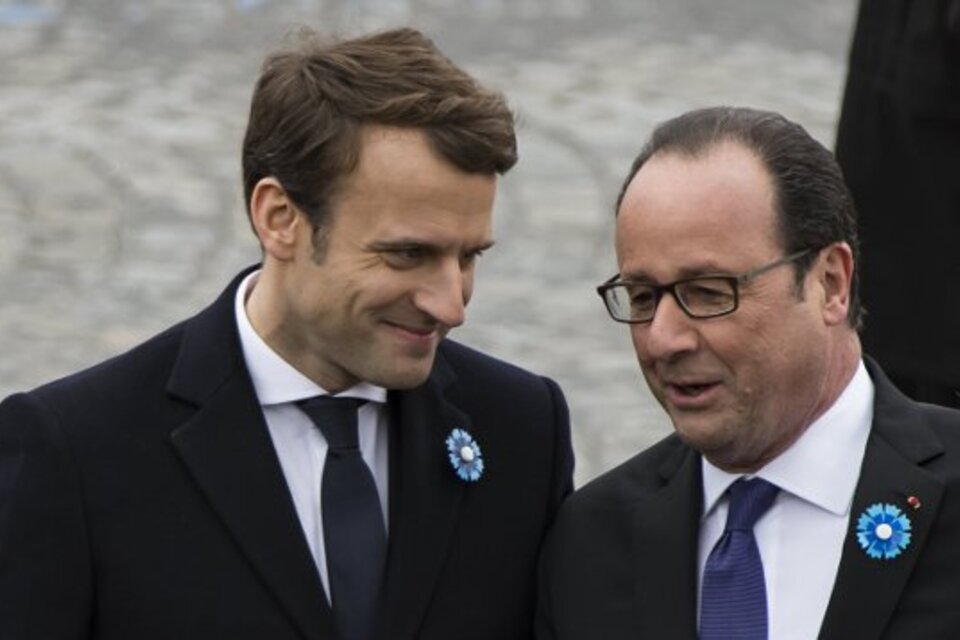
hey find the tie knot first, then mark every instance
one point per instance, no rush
(749, 499)
(336, 418)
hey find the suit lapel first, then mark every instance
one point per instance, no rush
(226, 447)
(666, 526)
(424, 500)
(867, 590)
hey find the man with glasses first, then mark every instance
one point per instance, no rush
(802, 495)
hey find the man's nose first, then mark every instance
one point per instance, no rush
(445, 293)
(671, 332)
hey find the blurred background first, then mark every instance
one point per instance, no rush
(121, 208)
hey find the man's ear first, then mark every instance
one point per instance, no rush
(275, 218)
(836, 276)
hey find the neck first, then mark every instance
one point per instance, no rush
(267, 310)
(846, 356)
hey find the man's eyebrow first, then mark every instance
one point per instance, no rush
(690, 271)
(483, 246)
(420, 243)
(400, 242)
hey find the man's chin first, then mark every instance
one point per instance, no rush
(406, 377)
(698, 431)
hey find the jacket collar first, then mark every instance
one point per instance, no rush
(425, 497)
(664, 549)
(226, 447)
(901, 443)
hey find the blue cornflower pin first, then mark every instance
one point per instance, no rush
(465, 455)
(883, 531)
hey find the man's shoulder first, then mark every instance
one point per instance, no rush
(152, 359)
(125, 393)
(468, 362)
(921, 434)
(632, 480)
(147, 366)
(496, 392)
(941, 419)
(601, 516)
(898, 417)
(945, 423)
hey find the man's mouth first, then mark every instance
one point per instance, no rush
(415, 332)
(691, 394)
(693, 389)
(420, 331)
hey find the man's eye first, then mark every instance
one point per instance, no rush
(642, 297)
(404, 257)
(706, 292)
(471, 256)
(411, 253)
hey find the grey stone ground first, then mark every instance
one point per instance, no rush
(120, 124)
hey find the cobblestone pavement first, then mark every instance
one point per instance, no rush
(120, 126)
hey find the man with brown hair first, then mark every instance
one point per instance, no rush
(308, 457)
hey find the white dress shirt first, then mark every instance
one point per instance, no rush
(801, 537)
(299, 444)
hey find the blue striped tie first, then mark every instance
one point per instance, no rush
(733, 602)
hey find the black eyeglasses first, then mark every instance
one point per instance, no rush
(706, 296)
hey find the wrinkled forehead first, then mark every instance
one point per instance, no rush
(680, 211)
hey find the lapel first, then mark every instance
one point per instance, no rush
(666, 525)
(866, 591)
(424, 498)
(226, 447)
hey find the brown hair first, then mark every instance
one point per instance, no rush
(312, 100)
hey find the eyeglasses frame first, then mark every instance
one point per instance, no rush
(658, 290)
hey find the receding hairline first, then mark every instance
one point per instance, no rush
(713, 146)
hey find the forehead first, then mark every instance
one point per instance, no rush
(397, 157)
(710, 211)
(403, 185)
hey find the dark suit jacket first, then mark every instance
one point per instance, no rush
(621, 561)
(898, 142)
(142, 499)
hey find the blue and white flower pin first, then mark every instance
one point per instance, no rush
(465, 455)
(883, 531)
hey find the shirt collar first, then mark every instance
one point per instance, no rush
(275, 380)
(833, 445)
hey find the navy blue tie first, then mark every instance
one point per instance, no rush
(353, 531)
(733, 601)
